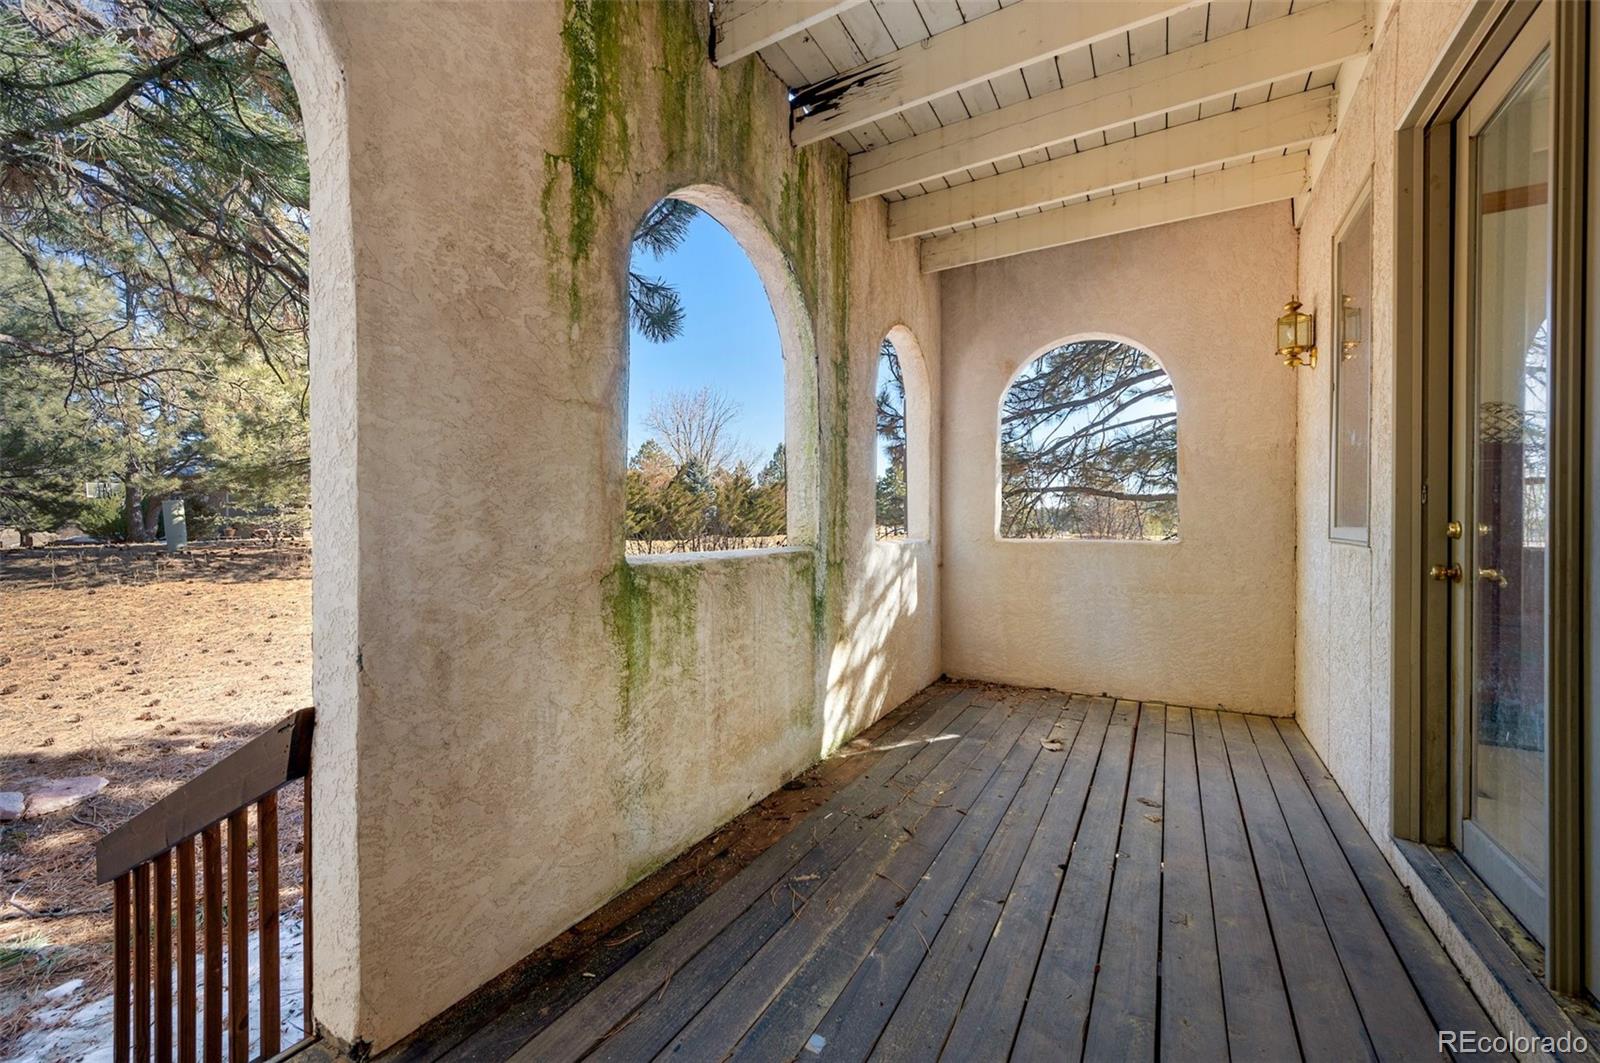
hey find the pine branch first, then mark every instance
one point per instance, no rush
(154, 73)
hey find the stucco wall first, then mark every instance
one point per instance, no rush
(513, 722)
(1207, 620)
(1344, 642)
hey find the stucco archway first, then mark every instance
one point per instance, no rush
(302, 35)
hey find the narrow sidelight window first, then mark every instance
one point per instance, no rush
(892, 509)
(1352, 375)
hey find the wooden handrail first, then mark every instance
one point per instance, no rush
(254, 770)
(138, 858)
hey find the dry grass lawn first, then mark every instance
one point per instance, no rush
(145, 669)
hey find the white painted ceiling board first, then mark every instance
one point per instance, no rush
(1316, 39)
(1008, 39)
(1266, 10)
(1251, 96)
(902, 20)
(1145, 126)
(1158, 205)
(1148, 41)
(962, 134)
(942, 15)
(1251, 133)
(1110, 55)
(1186, 28)
(1075, 65)
(744, 27)
(866, 28)
(1227, 16)
(1009, 88)
(1041, 77)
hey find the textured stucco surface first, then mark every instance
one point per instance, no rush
(513, 722)
(1345, 642)
(1208, 620)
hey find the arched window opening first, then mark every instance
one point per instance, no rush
(707, 468)
(891, 502)
(1089, 446)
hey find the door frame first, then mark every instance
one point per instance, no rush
(1422, 764)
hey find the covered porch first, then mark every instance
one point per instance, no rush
(518, 719)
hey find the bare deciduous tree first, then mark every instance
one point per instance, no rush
(694, 426)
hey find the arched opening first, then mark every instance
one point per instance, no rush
(720, 409)
(1089, 446)
(169, 248)
(902, 470)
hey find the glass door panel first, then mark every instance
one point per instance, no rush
(1506, 185)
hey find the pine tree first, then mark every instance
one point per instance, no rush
(154, 230)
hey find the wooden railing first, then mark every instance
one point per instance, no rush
(141, 856)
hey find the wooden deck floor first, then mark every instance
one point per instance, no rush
(1033, 876)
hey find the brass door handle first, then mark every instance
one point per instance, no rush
(1493, 575)
(1452, 573)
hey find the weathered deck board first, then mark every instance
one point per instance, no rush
(576, 1031)
(1057, 1012)
(682, 994)
(1029, 876)
(1122, 1017)
(957, 930)
(1447, 997)
(994, 1003)
(1330, 1029)
(1192, 1025)
(1394, 1016)
(1255, 1005)
(953, 832)
(895, 936)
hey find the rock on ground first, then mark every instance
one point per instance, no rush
(63, 793)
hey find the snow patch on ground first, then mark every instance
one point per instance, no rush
(72, 1030)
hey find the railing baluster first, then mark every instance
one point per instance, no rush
(122, 1024)
(267, 906)
(141, 963)
(239, 937)
(163, 964)
(308, 1025)
(151, 886)
(211, 851)
(187, 953)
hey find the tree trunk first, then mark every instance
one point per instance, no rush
(152, 517)
(133, 504)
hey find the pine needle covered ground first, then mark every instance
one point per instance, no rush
(145, 669)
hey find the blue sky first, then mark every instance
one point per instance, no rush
(729, 340)
(881, 449)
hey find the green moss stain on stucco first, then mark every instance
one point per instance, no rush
(627, 617)
(736, 117)
(652, 615)
(797, 224)
(682, 81)
(596, 133)
(838, 267)
(819, 251)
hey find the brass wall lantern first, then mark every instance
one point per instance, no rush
(1349, 329)
(1297, 336)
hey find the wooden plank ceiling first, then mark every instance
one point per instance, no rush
(996, 127)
